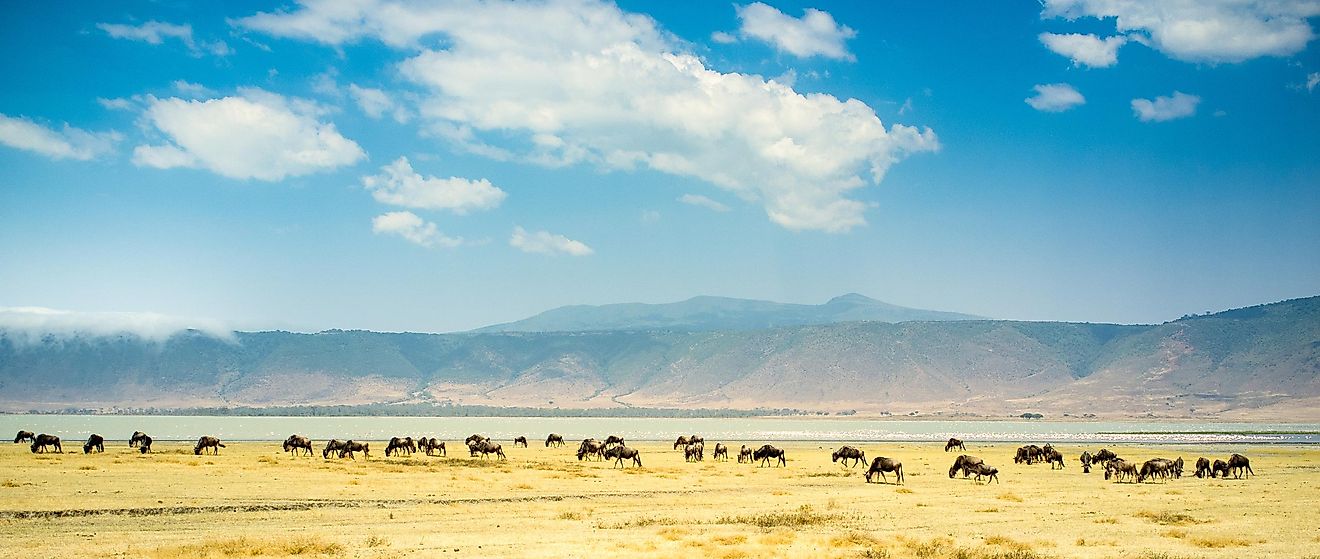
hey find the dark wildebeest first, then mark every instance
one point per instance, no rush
(96, 442)
(721, 451)
(766, 453)
(1202, 467)
(681, 441)
(430, 446)
(474, 438)
(1103, 456)
(144, 444)
(487, 448)
(694, 452)
(24, 437)
(1086, 461)
(847, 453)
(399, 445)
(745, 455)
(589, 448)
(1178, 468)
(351, 446)
(1029, 454)
(1155, 467)
(298, 442)
(1054, 457)
(1219, 469)
(208, 442)
(1119, 469)
(881, 465)
(520, 440)
(696, 439)
(554, 439)
(955, 443)
(1240, 466)
(614, 439)
(620, 453)
(333, 445)
(42, 441)
(981, 469)
(963, 463)
(136, 439)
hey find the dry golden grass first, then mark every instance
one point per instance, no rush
(254, 501)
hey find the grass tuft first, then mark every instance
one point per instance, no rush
(245, 547)
(803, 516)
(1168, 518)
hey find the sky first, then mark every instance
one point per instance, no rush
(433, 167)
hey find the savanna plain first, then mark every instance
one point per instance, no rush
(252, 500)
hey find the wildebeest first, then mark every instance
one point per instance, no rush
(136, 439)
(41, 442)
(721, 451)
(24, 437)
(332, 445)
(614, 439)
(1202, 467)
(696, 439)
(745, 455)
(694, 452)
(298, 442)
(96, 442)
(210, 442)
(766, 453)
(431, 446)
(847, 453)
(954, 443)
(981, 469)
(589, 448)
(554, 439)
(1054, 457)
(620, 453)
(1219, 468)
(350, 446)
(520, 440)
(1029, 454)
(398, 445)
(474, 438)
(1155, 467)
(1086, 461)
(681, 441)
(881, 465)
(964, 463)
(487, 448)
(1178, 468)
(144, 444)
(1119, 469)
(1103, 456)
(1240, 466)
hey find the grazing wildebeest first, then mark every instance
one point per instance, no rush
(474, 438)
(1202, 467)
(1054, 457)
(429, 446)
(520, 440)
(614, 439)
(696, 439)
(881, 465)
(620, 453)
(1086, 461)
(96, 442)
(694, 452)
(589, 448)
(42, 441)
(745, 455)
(1029, 454)
(721, 451)
(136, 439)
(766, 453)
(1119, 469)
(24, 437)
(987, 471)
(398, 445)
(964, 463)
(1155, 467)
(847, 453)
(1240, 466)
(1103, 456)
(144, 444)
(351, 446)
(681, 441)
(1219, 469)
(487, 448)
(955, 443)
(554, 439)
(208, 442)
(298, 442)
(333, 445)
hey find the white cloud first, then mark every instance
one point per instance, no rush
(1180, 105)
(192, 89)
(399, 185)
(116, 104)
(650, 216)
(412, 228)
(567, 82)
(156, 32)
(255, 135)
(814, 34)
(723, 38)
(65, 143)
(703, 202)
(376, 103)
(1205, 30)
(544, 242)
(1055, 98)
(1088, 50)
(1312, 80)
(32, 325)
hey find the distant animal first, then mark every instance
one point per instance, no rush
(487, 448)
(767, 453)
(1202, 467)
(696, 439)
(136, 439)
(847, 453)
(681, 442)
(1086, 459)
(954, 443)
(1029, 454)
(1103, 456)
(881, 465)
(553, 439)
(721, 452)
(1178, 468)
(1155, 467)
(332, 445)
(398, 445)
(745, 455)
(24, 437)
(589, 448)
(983, 470)
(144, 444)
(1219, 469)
(94, 442)
(1240, 466)
(694, 452)
(351, 446)
(620, 453)
(431, 446)
(208, 442)
(474, 438)
(42, 443)
(520, 440)
(964, 464)
(614, 439)
(1119, 469)
(1054, 458)
(296, 443)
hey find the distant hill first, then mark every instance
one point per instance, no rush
(1254, 363)
(719, 313)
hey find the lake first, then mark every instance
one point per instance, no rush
(119, 427)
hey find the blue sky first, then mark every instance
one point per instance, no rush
(438, 167)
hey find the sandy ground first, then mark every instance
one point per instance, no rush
(255, 501)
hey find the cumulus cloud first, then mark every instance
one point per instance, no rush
(702, 202)
(376, 103)
(1085, 50)
(32, 325)
(1312, 80)
(814, 34)
(156, 32)
(413, 229)
(723, 38)
(566, 82)
(254, 135)
(544, 242)
(1205, 30)
(191, 89)
(66, 143)
(1179, 105)
(399, 185)
(1055, 98)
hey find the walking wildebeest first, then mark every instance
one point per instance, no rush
(40, 442)
(981, 469)
(94, 442)
(1054, 457)
(963, 462)
(1119, 469)
(1240, 466)
(613, 440)
(721, 452)
(1202, 467)
(332, 445)
(589, 448)
(487, 448)
(881, 465)
(620, 453)
(144, 444)
(399, 445)
(520, 440)
(955, 443)
(766, 453)
(350, 446)
(136, 439)
(298, 442)
(681, 441)
(554, 439)
(694, 452)
(847, 453)
(745, 455)
(24, 437)
(208, 442)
